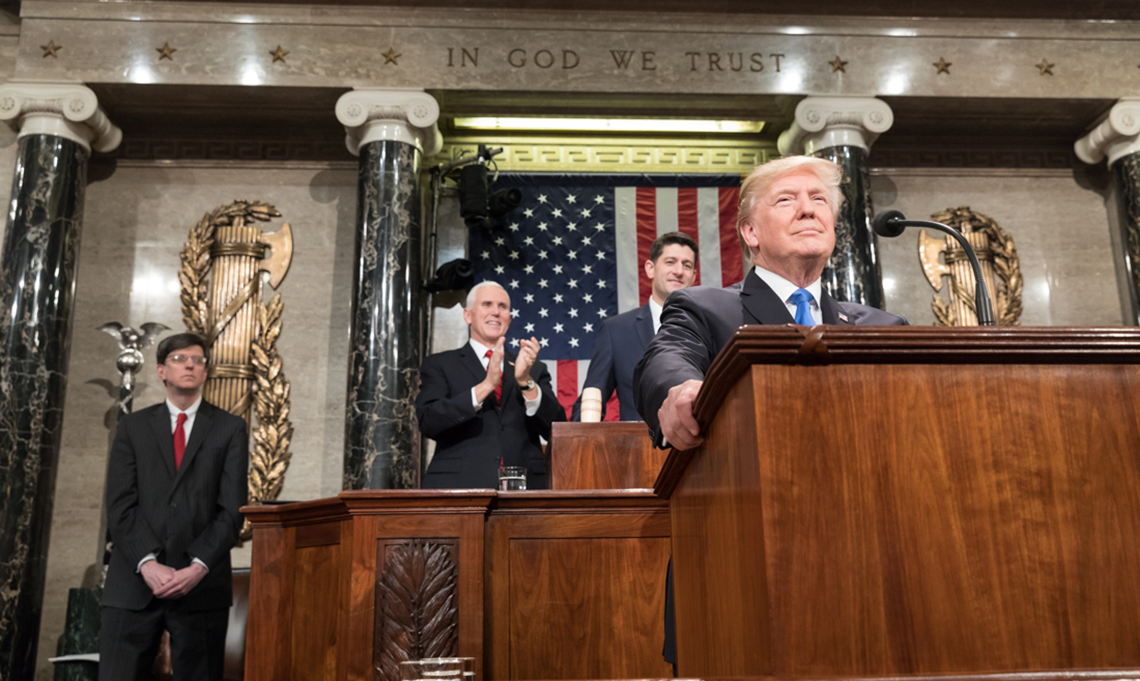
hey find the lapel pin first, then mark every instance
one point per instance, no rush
(842, 316)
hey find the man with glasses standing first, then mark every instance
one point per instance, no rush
(176, 477)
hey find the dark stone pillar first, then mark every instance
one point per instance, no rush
(382, 441)
(1126, 174)
(841, 130)
(1116, 138)
(37, 285)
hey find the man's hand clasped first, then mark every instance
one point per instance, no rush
(678, 425)
(166, 582)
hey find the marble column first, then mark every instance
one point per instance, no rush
(842, 129)
(390, 130)
(1116, 139)
(58, 125)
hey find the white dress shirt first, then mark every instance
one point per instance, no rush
(655, 311)
(784, 290)
(481, 353)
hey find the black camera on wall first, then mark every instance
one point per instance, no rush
(478, 207)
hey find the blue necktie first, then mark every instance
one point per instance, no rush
(802, 300)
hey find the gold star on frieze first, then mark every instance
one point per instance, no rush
(838, 65)
(279, 54)
(943, 66)
(391, 56)
(1045, 67)
(166, 51)
(50, 49)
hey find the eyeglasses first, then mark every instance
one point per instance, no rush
(198, 360)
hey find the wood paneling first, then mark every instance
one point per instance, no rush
(575, 585)
(603, 456)
(966, 503)
(316, 583)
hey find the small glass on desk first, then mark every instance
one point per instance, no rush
(438, 669)
(512, 478)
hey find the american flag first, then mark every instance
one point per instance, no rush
(572, 255)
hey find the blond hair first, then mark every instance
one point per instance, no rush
(764, 176)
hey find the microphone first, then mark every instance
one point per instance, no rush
(891, 223)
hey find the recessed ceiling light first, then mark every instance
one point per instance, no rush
(607, 124)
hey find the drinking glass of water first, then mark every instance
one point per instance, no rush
(512, 478)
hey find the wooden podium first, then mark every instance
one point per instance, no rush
(901, 501)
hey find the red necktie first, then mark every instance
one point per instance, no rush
(499, 387)
(179, 441)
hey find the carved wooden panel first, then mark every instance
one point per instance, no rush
(416, 602)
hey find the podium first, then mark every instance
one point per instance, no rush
(901, 501)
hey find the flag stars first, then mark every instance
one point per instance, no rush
(601, 255)
(529, 269)
(541, 198)
(542, 283)
(558, 297)
(587, 269)
(601, 283)
(514, 283)
(585, 212)
(602, 312)
(573, 312)
(573, 342)
(544, 313)
(514, 227)
(542, 254)
(485, 255)
(586, 241)
(500, 269)
(529, 298)
(588, 298)
(530, 328)
(557, 212)
(588, 328)
(515, 342)
(529, 212)
(558, 328)
(600, 227)
(543, 342)
(542, 226)
(572, 226)
(573, 283)
(558, 269)
(571, 199)
(514, 255)
(557, 241)
(572, 255)
(529, 241)
(500, 241)
(599, 199)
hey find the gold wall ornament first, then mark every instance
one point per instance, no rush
(222, 264)
(997, 255)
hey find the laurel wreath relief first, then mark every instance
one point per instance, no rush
(270, 456)
(1007, 269)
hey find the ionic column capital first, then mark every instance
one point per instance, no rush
(1115, 135)
(69, 110)
(374, 114)
(823, 122)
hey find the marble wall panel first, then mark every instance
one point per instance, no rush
(576, 51)
(137, 218)
(9, 44)
(1058, 220)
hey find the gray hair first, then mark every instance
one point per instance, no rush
(482, 284)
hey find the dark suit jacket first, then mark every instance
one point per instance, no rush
(176, 515)
(697, 322)
(617, 349)
(470, 442)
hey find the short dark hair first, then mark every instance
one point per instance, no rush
(179, 341)
(668, 238)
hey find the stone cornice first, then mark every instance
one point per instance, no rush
(375, 114)
(823, 122)
(63, 109)
(1115, 136)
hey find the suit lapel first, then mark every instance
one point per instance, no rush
(165, 437)
(830, 310)
(644, 326)
(202, 421)
(761, 304)
(510, 385)
(472, 363)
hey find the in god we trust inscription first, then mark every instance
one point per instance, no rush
(616, 60)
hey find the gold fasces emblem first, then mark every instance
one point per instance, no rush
(223, 261)
(997, 255)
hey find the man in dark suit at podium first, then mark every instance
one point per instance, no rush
(483, 405)
(786, 225)
(672, 265)
(176, 479)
